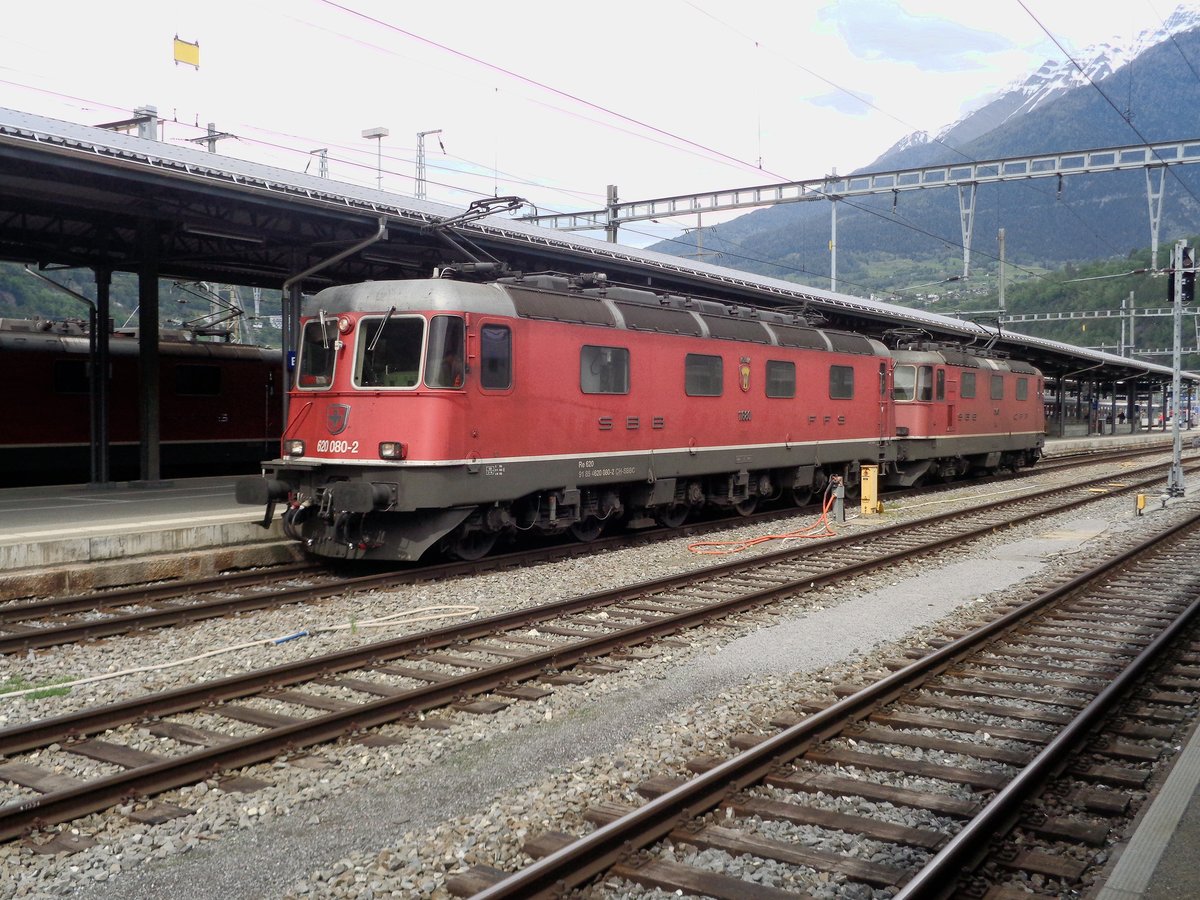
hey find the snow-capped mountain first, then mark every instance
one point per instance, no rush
(1112, 94)
(1052, 80)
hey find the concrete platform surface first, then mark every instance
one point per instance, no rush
(70, 538)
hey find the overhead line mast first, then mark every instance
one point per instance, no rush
(1153, 159)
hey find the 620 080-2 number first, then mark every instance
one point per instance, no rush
(337, 446)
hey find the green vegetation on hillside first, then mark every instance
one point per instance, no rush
(1089, 287)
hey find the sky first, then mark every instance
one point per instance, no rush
(550, 100)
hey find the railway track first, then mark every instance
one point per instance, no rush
(200, 729)
(49, 622)
(1087, 457)
(1037, 705)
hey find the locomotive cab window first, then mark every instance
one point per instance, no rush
(997, 387)
(445, 365)
(318, 354)
(389, 351)
(495, 357)
(781, 378)
(904, 384)
(604, 370)
(1022, 388)
(702, 375)
(966, 385)
(841, 383)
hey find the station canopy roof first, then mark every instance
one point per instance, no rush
(75, 195)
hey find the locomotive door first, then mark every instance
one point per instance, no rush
(886, 426)
(946, 394)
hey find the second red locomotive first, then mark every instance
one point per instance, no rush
(220, 409)
(441, 412)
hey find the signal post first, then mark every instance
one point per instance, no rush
(1182, 290)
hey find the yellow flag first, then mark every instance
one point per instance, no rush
(187, 52)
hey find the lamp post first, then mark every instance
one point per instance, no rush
(378, 134)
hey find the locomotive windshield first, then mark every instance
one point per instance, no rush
(389, 351)
(317, 354)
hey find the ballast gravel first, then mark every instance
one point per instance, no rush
(345, 820)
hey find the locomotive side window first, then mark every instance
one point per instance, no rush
(444, 359)
(604, 370)
(904, 384)
(197, 381)
(389, 351)
(317, 355)
(997, 387)
(781, 378)
(702, 375)
(925, 383)
(1022, 388)
(495, 357)
(966, 386)
(940, 380)
(841, 383)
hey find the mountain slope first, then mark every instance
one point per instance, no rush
(1148, 89)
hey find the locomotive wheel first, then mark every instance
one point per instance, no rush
(472, 545)
(672, 516)
(746, 507)
(587, 530)
(802, 496)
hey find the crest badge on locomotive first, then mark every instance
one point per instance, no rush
(744, 374)
(337, 418)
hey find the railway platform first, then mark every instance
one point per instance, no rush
(59, 539)
(1159, 861)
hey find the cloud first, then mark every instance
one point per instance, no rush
(882, 30)
(843, 103)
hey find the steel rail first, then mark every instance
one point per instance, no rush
(580, 861)
(183, 614)
(952, 861)
(18, 738)
(129, 596)
(99, 794)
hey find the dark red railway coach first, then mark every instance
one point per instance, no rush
(443, 412)
(219, 407)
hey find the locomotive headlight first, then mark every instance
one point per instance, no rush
(392, 450)
(293, 447)
(345, 324)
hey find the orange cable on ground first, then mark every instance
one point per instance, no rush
(721, 548)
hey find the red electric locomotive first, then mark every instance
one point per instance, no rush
(957, 412)
(444, 412)
(219, 410)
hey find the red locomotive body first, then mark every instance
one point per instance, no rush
(438, 411)
(956, 412)
(219, 411)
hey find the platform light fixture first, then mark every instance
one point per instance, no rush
(377, 134)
